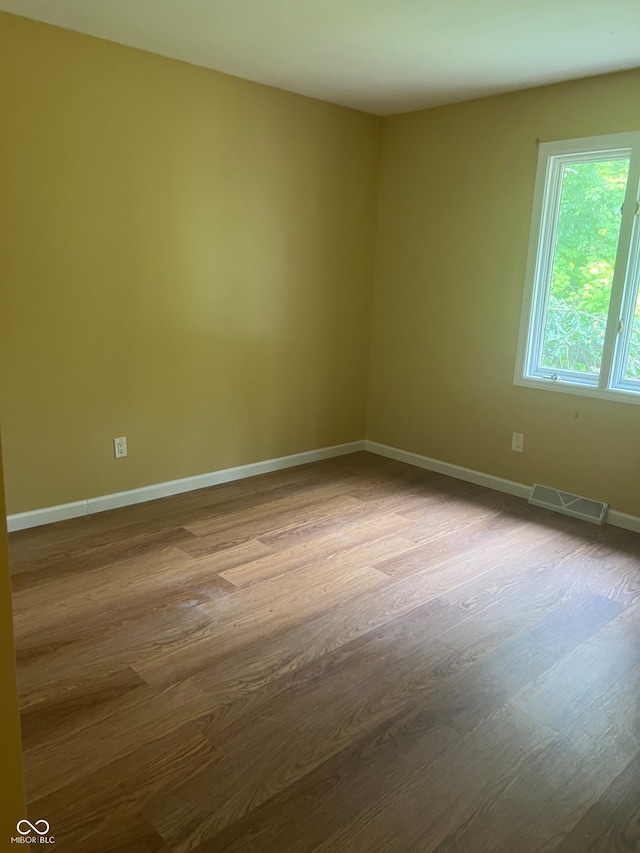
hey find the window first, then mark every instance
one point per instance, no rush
(580, 329)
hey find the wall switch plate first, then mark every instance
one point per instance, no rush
(120, 447)
(517, 442)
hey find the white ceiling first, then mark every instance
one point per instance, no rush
(381, 56)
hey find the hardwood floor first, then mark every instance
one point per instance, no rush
(350, 656)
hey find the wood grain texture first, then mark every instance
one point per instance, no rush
(353, 655)
(612, 823)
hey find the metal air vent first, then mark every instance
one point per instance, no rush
(568, 504)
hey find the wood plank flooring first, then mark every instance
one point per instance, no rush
(354, 656)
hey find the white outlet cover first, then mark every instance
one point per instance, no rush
(517, 442)
(120, 447)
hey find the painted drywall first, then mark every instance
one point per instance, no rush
(186, 259)
(12, 804)
(455, 205)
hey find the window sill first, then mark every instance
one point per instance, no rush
(618, 395)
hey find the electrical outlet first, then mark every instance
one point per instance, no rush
(517, 442)
(120, 447)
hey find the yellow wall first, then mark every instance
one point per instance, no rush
(455, 207)
(12, 808)
(186, 259)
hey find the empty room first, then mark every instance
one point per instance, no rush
(319, 401)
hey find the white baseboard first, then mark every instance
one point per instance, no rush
(48, 515)
(457, 471)
(614, 517)
(623, 519)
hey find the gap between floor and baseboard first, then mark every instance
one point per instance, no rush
(48, 515)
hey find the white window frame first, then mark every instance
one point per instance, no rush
(610, 384)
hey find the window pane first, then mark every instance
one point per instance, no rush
(632, 369)
(583, 261)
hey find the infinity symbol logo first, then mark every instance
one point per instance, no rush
(32, 827)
